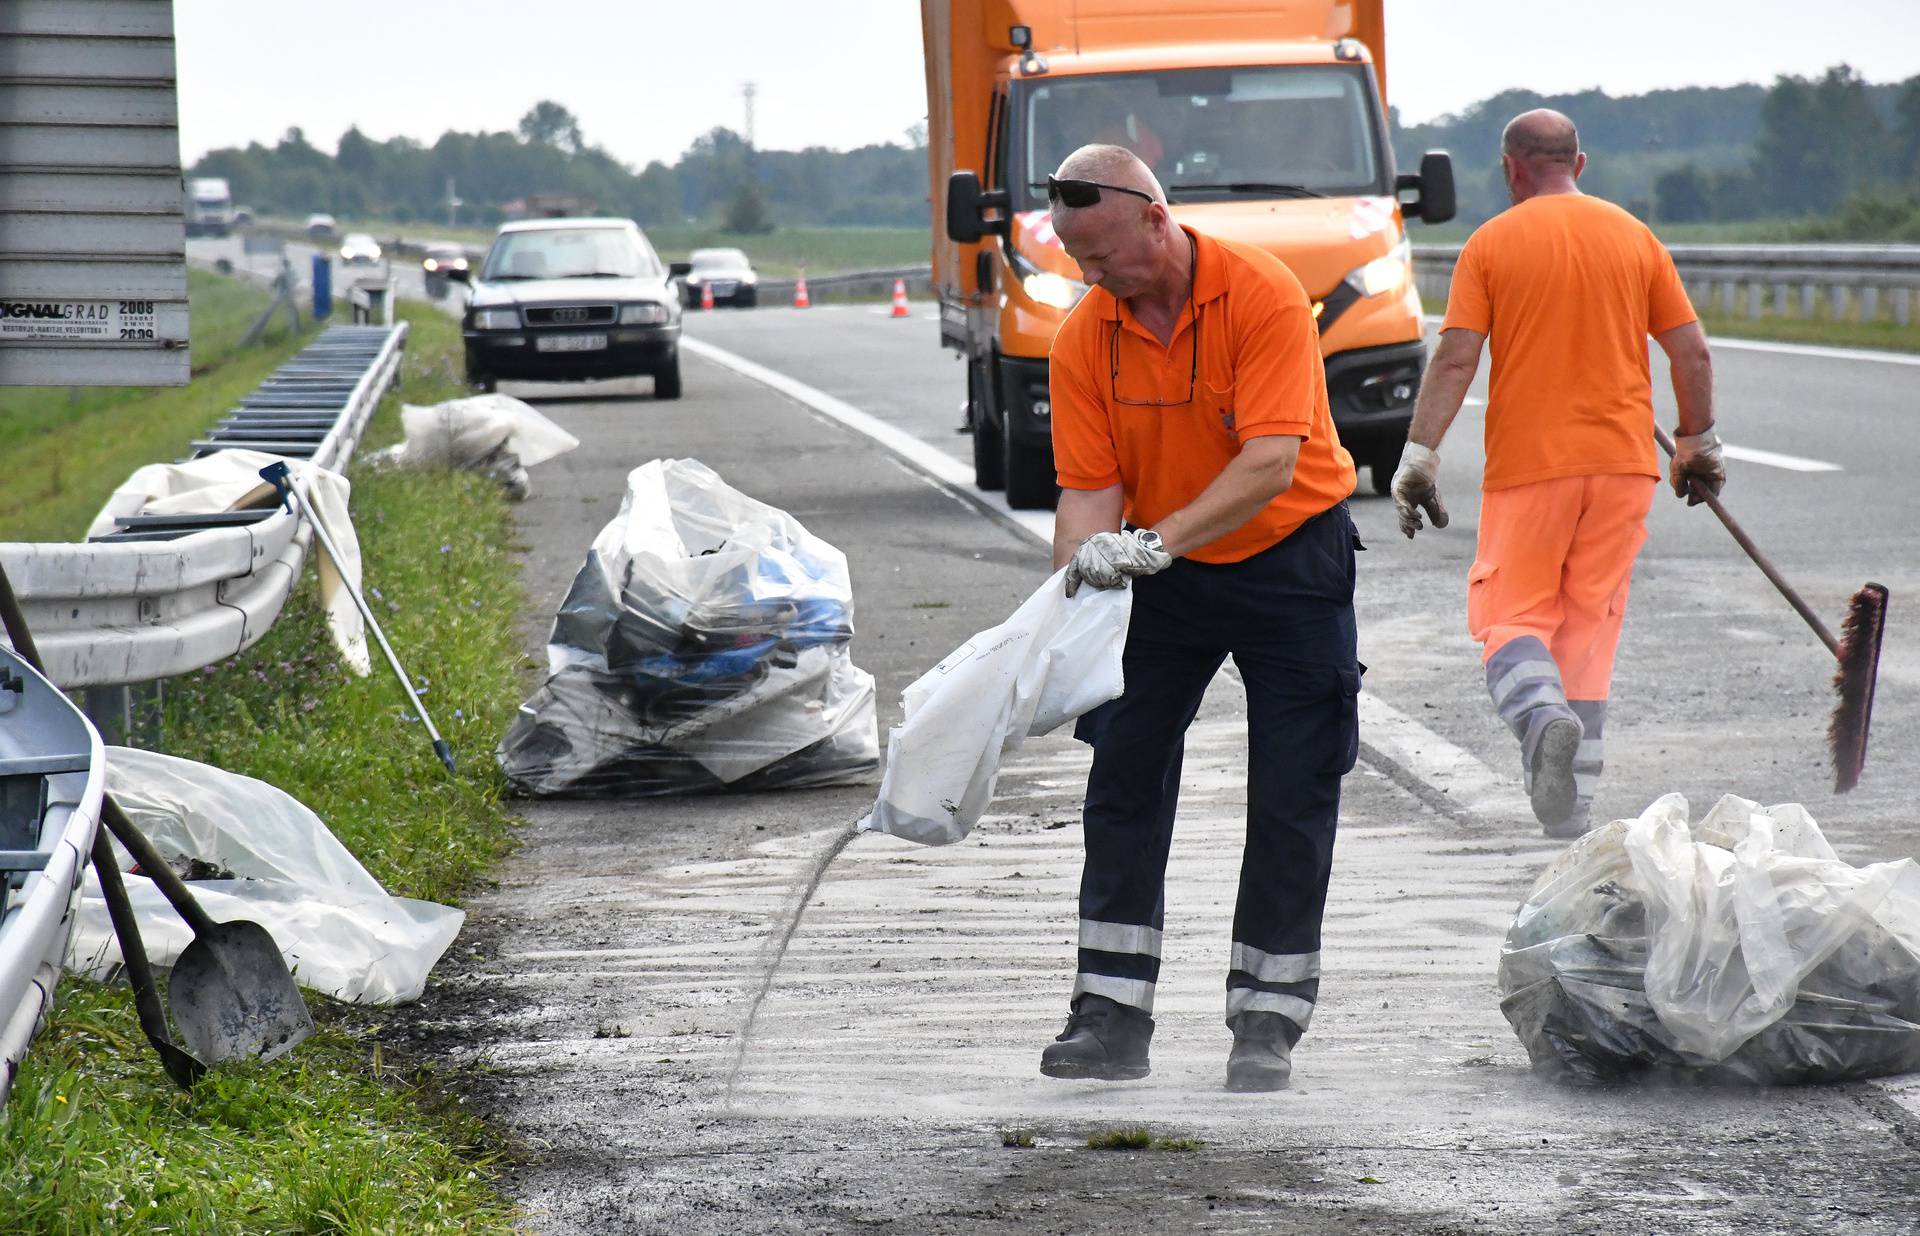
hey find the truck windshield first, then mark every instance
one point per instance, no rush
(1259, 131)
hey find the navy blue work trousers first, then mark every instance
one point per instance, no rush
(1285, 616)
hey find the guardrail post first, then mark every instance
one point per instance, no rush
(1780, 300)
(1729, 297)
(1869, 304)
(1756, 300)
(1903, 306)
(1839, 302)
(1809, 300)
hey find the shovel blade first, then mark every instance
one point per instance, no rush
(234, 998)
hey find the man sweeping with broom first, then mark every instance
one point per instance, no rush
(1567, 288)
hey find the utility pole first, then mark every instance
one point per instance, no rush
(453, 202)
(747, 92)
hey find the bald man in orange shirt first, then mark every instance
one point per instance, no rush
(1567, 288)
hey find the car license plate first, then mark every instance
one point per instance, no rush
(724, 287)
(570, 343)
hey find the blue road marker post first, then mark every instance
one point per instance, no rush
(322, 286)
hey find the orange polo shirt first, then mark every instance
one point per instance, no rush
(1567, 288)
(1259, 373)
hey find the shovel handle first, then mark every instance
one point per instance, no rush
(153, 865)
(181, 1067)
(1760, 560)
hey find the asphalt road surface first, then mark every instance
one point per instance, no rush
(605, 978)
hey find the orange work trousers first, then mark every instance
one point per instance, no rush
(1546, 597)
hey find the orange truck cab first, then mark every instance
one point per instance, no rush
(1265, 121)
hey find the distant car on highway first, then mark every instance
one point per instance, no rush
(359, 249)
(569, 299)
(438, 261)
(727, 272)
(321, 227)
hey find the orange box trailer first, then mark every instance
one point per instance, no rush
(1266, 122)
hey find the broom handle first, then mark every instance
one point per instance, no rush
(1753, 551)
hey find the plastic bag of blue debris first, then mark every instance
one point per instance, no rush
(704, 645)
(1740, 949)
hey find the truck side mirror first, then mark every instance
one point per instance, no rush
(967, 205)
(679, 270)
(1433, 185)
(459, 274)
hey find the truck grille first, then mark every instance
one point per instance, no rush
(569, 315)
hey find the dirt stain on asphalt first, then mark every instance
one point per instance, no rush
(775, 950)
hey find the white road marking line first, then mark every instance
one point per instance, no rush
(1771, 459)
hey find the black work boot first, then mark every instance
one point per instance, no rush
(1553, 791)
(1262, 1057)
(1104, 1040)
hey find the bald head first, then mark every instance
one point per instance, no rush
(1111, 165)
(1541, 136)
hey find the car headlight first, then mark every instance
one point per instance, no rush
(1384, 274)
(644, 313)
(1051, 289)
(496, 319)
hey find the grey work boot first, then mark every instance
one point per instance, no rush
(1553, 792)
(1576, 825)
(1104, 1040)
(1262, 1057)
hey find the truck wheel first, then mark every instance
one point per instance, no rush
(666, 380)
(988, 458)
(1030, 476)
(1383, 477)
(484, 381)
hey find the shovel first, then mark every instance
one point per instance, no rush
(231, 990)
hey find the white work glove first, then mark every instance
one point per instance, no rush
(1109, 559)
(1416, 484)
(1696, 457)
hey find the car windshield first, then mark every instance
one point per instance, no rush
(718, 259)
(1260, 131)
(569, 253)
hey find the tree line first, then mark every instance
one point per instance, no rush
(1835, 152)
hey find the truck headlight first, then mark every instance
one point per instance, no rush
(644, 313)
(1051, 289)
(1384, 274)
(496, 319)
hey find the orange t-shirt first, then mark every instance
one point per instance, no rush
(1259, 373)
(1567, 288)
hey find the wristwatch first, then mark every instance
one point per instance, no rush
(1149, 539)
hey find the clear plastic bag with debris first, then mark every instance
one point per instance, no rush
(1739, 950)
(704, 645)
(495, 435)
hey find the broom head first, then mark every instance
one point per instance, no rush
(1859, 668)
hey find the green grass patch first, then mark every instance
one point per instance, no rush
(1885, 333)
(94, 1137)
(1139, 1138)
(68, 447)
(817, 250)
(1017, 1139)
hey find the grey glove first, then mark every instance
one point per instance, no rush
(1416, 484)
(1109, 559)
(1696, 457)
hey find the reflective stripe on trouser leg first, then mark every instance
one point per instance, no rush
(1283, 983)
(1526, 691)
(1590, 761)
(1120, 961)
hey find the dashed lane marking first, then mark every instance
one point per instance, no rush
(1773, 459)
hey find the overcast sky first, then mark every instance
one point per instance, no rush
(648, 76)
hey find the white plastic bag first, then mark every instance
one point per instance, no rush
(495, 434)
(704, 645)
(1739, 949)
(1056, 658)
(274, 862)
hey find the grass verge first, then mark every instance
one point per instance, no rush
(330, 1139)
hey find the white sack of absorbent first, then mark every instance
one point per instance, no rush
(1054, 659)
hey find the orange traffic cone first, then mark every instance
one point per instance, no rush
(800, 300)
(899, 299)
(706, 296)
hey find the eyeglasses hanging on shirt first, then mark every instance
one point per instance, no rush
(1193, 365)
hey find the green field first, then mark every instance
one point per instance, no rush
(335, 1137)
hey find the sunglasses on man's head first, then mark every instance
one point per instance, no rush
(1079, 193)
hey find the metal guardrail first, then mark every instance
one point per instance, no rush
(163, 596)
(1866, 283)
(919, 281)
(52, 775)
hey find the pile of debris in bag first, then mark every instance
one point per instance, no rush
(704, 645)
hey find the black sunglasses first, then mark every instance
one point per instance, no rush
(1079, 193)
